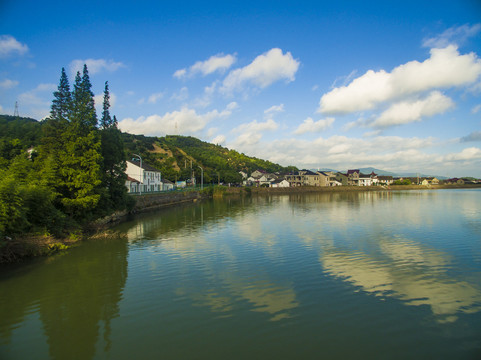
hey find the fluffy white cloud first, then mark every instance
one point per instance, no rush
(8, 84)
(180, 73)
(216, 63)
(476, 109)
(99, 101)
(472, 153)
(445, 68)
(251, 133)
(41, 95)
(182, 95)
(185, 121)
(274, 109)
(10, 46)
(255, 126)
(453, 35)
(155, 97)
(312, 126)
(94, 66)
(36, 103)
(410, 111)
(341, 152)
(266, 69)
(218, 140)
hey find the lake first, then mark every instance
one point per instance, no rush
(338, 275)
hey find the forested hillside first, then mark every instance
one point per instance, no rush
(175, 156)
(172, 155)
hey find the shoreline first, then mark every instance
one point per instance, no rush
(28, 246)
(310, 189)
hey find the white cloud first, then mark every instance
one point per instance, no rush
(38, 96)
(99, 102)
(10, 46)
(216, 63)
(266, 69)
(180, 73)
(341, 152)
(445, 68)
(472, 153)
(8, 84)
(185, 121)
(476, 109)
(454, 35)
(36, 102)
(274, 109)
(218, 140)
(410, 111)
(251, 133)
(255, 126)
(155, 97)
(94, 66)
(182, 95)
(312, 126)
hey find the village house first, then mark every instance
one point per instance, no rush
(142, 179)
(385, 180)
(342, 178)
(328, 178)
(356, 178)
(260, 178)
(304, 178)
(280, 183)
(430, 181)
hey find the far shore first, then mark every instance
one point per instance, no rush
(307, 189)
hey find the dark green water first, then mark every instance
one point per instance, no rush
(336, 276)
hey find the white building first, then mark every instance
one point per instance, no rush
(280, 183)
(148, 178)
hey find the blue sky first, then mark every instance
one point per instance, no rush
(315, 84)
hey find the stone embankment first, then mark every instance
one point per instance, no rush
(155, 201)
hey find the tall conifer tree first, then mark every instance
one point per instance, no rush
(82, 159)
(62, 102)
(114, 157)
(83, 109)
(52, 144)
(106, 120)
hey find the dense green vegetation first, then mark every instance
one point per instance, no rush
(60, 174)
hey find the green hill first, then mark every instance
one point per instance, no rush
(177, 157)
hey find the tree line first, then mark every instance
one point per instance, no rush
(75, 175)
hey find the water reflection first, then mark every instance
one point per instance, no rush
(76, 295)
(187, 236)
(286, 266)
(409, 273)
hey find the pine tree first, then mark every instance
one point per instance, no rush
(59, 117)
(83, 107)
(52, 141)
(81, 159)
(62, 101)
(114, 158)
(106, 120)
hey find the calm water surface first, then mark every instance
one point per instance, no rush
(394, 275)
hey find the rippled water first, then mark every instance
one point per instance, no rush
(371, 275)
